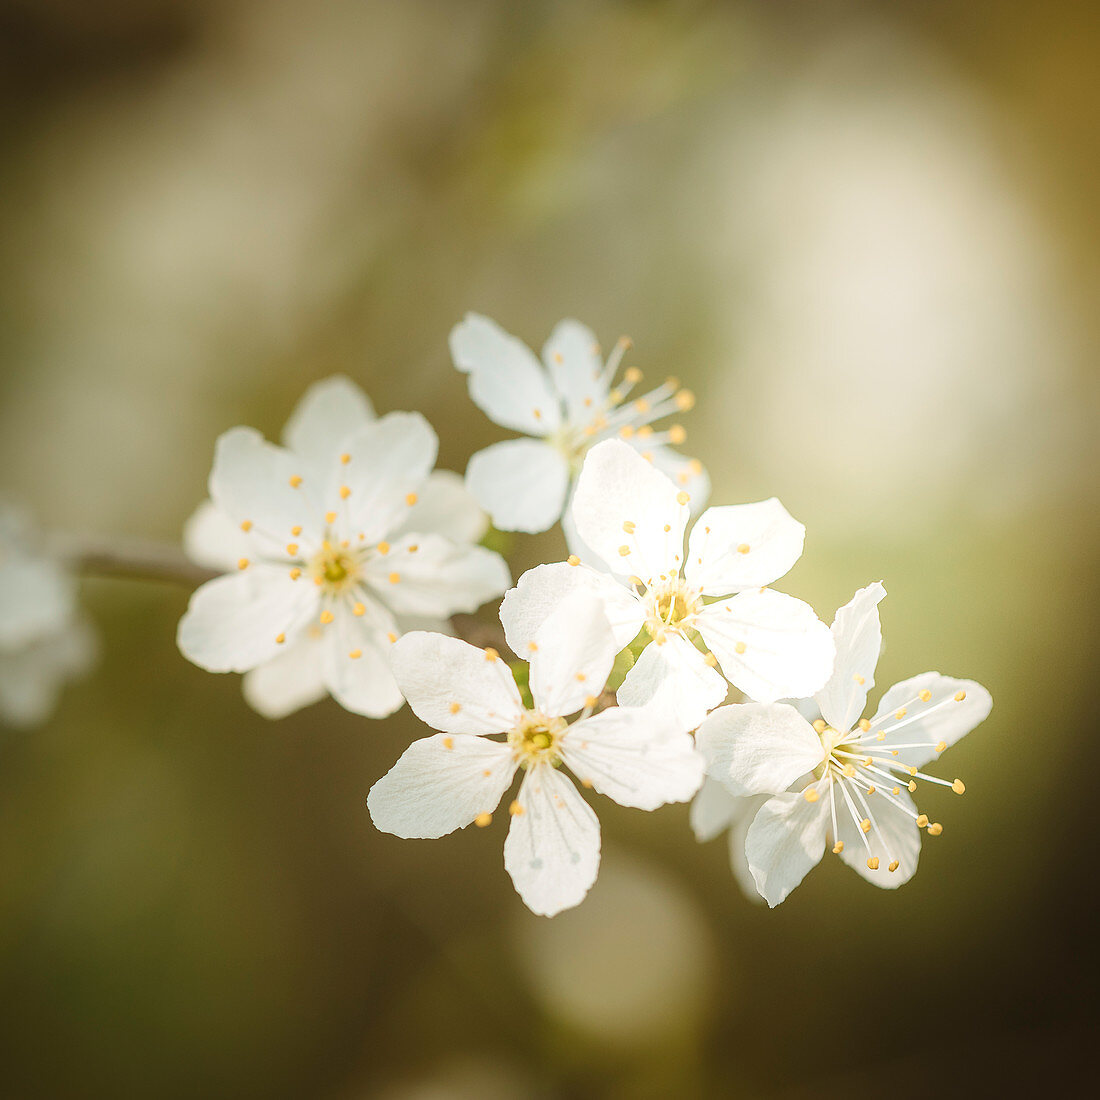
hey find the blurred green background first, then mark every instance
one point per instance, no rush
(865, 234)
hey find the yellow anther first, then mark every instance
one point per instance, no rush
(865, 725)
(491, 654)
(414, 547)
(632, 375)
(626, 431)
(359, 609)
(318, 581)
(573, 559)
(859, 680)
(515, 809)
(482, 820)
(296, 530)
(642, 406)
(739, 647)
(960, 696)
(910, 786)
(838, 847)
(935, 829)
(893, 752)
(242, 563)
(881, 735)
(695, 466)
(922, 820)
(743, 548)
(345, 458)
(392, 637)
(710, 659)
(668, 527)
(345, 543)
(246, 525)
(355, 654)
(295, 480)
(820, 725)
(685, 400)
(636, 580)
(912, 771)
(901, 712)
(682, 497)
(537, 413)
(448, 742)
(871, 790)
(327, 616)
(810, 794)
(455, 708)
(940, 746)
(895, 790)
(394, 578)
(383, 548)
(587, 784)
(868, 761)
(872, 863)
(849, 770)
(865, 824)
(280, 638)
(411, 499)
(959, 787)
(345, 492)
(295, 573)
(590, 700)
(292, 548)
(893, 866)
(330, 517)
(647, 455)
(628, 526)
(677, 434)
(615, 396)
(925, 695)
(624, 551)
(558, 357)
(581, 677)
(532, 647)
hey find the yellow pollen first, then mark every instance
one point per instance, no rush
(394, 578)
(912, 771)
(515, 809)
(330, 517)
(448, 742)
(893, 866)
(482, 820)
(743, 548)
(573, 559)
(318, 581)
(295, 573)
(345, 458)
(355, 654)
(740, 647)
(292, 548)
(893, 752)
(819, 725)
(940, 746)
(872, 863)
(538, 413)
(558, 357)
(685, 400)
(413, 549)
(411, 499)
(900, 713)
(881, 735)
(682, 497)
(632, 375)
(935, 829)
(586, 783)
(327, 616)
(695, 466)
(838, 847)
(296, 530)
(868, 761)
(246, 525)
(491, 654)
(280, 638)
(925, 695)
(849, 770)
(581, 677)
(810, 794)
(626, 431)
(295, 481)
(242, 563)
(922, 820)
(865, 824)
(647, 455)
(865, 725)
(642, 405)
(615, 396)
(677, 435)
(383, 548)
(668, 527)
(910, 786)
(710, 659)
(345, 492)
(960, 696)
(628, 526)
(590, 700)
(871, 790)
(392, 637)
(895, 790)
(861, 681)
(959, 787)
(359, 609)
(624, 551)
(455, 708)
(532, 647)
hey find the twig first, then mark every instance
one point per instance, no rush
(138, 559)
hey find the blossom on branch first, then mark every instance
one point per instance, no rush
(637, 756)
(334, 545)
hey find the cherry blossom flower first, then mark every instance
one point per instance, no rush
(44, 641)
(633, 518)
(334, 545)
(837, 781)
(567, 403)
(640, 757)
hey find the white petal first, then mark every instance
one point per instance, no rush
(747, 809)
(713, 810)
(431, 576)
(232, 622)
(785, 840)
(521, 483)
(540, 591)
(507, 382)
(37, 598)
(444, 506)
(454, 687)
(32, 677)
(440, 784)
(858, 638)
(253, 481)
(688, 474)
(391, 459)
(742, 546)
(629, 757)
(677, 675)
(289, 681)
(212, 539)
(623, 504)
(769, 645)
(553, 848)
(572, 656)
(755, 748)
(363, 684)
(572, 356)
(328, 412)
(943, 717)
(893, 836)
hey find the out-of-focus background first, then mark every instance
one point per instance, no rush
(865, 234)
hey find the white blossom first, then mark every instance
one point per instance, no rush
(640, 757)
(839, 782)
(633, 519)
(565, 404)
(44, 641)
(334, 544)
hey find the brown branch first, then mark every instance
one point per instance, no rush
(137, 559)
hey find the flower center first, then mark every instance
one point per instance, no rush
(335, 567)
(671, 608)
(535, 740)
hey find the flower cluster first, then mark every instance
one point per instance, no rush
(343, 556)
